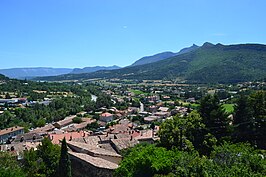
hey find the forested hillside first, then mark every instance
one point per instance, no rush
(207, 64)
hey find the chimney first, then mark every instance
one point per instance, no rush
(22, 139)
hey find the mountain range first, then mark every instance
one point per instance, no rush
(206, 64)
(93, 69)
(162, 56)
(29, 73)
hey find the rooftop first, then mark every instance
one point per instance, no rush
(107, 114)
(65, 121)
(10, 130)
(95, 161)
(93, 149)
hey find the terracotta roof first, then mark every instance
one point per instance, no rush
(10, 130)
(56, 138)
(65, 121)
(106, 137)
(119, 128)
(44, 129)
(145, 134)
(124, 143)
(95, 161)
(107, 114)
(92, 140)
(92, 149)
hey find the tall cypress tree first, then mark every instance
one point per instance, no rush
(64, 169)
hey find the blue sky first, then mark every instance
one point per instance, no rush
(80, 33)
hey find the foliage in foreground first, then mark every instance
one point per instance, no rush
(44, 161)
(225, 160)
(64, 169)
(9, 166)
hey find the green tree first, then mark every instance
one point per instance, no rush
(243, 120)
(182, 132)
(214, 116)
(9, 167)
(146, 161)
(44, 161)
(237, 160)
(77, 120)
(250, 119)
(258, 102)
(64, 169)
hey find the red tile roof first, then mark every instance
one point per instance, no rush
(56, 138)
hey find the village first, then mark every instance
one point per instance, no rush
(97, 138)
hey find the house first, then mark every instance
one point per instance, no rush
(7, 133)
(95, 151)
(147, 136)
(17, 149)
(43, 130)
(153, 99)
(86, 165)
(153, 108)
(56, 138)
(151, 119)
(191, 100)
(106, 117)
(133, 110)
(28, 137)
(84, 124)
(123, 143)
(162, 114)
(65, 122)
(163, 109)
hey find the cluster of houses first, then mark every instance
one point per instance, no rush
(97, 153)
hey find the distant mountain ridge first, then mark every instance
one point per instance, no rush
(93, 69)
(207, 64)
(162, 56)
(22, 73)
(153, 58)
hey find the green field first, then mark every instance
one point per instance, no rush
(229, 108)
(137, 92)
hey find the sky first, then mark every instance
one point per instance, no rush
(82, 33)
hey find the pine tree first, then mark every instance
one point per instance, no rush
(214, 116)
(64, 169)
(243, 120)
(250, 119)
